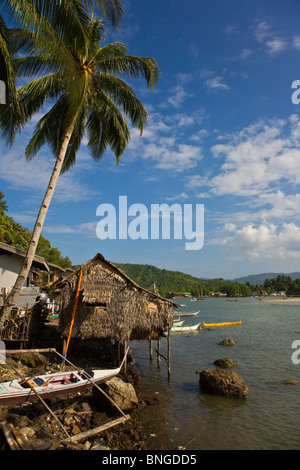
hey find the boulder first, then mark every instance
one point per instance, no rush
(225, 362)
(122, 393)
(227, 342)
(223, 382)
(33, 359)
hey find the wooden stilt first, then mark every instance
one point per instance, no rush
(150, 349)
(158, 353)
(169, 354)
(118, 352)
(125, 362)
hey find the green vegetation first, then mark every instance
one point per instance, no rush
(282, 283)
(18, 236)
(174, 281)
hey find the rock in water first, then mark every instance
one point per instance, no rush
(223, 382)
(225, 362)
(227, 342)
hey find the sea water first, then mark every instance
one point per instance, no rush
(183, 415)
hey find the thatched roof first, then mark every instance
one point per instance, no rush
(111, 305)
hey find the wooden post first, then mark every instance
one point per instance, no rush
(150, 349)
(158, 353)
(125, 362)
(118, 351)
(169, 354)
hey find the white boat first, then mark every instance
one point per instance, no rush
(51, 385)
(178, 322)
(186, 328)
(186, 314)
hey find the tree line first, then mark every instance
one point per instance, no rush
(282, 283)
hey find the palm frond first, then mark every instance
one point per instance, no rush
(131, 67)
(110, 9)
(124, 96)
(106, 126)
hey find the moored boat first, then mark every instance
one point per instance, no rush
(228, 323)
(185, 328)
(178, 322)
(186, 314)
(51, 385)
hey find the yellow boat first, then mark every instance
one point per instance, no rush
(227, 323)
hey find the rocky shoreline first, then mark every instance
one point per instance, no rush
(35, 428)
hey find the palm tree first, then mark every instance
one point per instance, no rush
(85, 85)
(34, 14)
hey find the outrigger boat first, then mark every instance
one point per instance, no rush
(178, 322)
(228, 323)
(185, 328)
(51, 385)
(186, 314)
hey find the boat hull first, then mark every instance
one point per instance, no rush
(13, 393)
(232, 323)
(185, 328)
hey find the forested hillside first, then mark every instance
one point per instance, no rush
(175, 281)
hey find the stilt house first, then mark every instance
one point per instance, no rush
(110, 305)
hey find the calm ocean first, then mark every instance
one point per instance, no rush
(268, 419)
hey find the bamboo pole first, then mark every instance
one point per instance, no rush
(169, 353)
(158, 353)
(73, 315)
(92, 432)
(150, 349)
(125, 362)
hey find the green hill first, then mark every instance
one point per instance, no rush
(175, 281)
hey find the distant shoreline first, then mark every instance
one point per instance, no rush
(294, 299)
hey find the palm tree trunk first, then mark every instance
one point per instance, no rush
(21, 279)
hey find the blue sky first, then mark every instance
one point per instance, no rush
(223, 132)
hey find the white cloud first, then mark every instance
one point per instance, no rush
(177, 97)
(265, 241)
(275, 45)
(26, 175)
(162, 143)
(216, 83)
(272, 42)
(296, 42)
(178, 158)
(87, 228)
(256, 157)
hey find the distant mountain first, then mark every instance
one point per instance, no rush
(260, 278)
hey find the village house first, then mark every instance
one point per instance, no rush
(110, 305)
